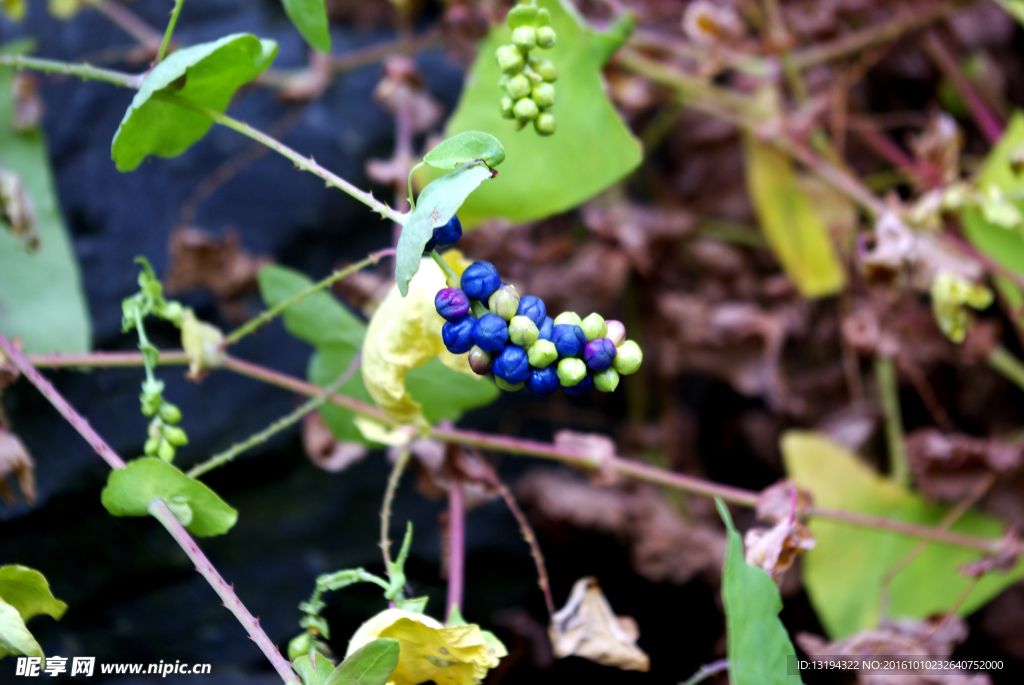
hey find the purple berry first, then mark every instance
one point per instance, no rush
(480, 280)
(512, 365)
(458, 336)
(599, 354)
(452, 304)
(490, 333)
(569, 339)
(480, 361)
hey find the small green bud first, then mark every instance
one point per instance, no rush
(607, 380)
(571, 371)
(174, 435)
(628, 357)
(522, 331)
(506, 108)
(594, 327)
(543, 94)
(170, 413)
(152, 445)
(165, 451)
(546, 37)
(300, 645)
(570, 318)
(505, 386)
(525, 38)
(510, 59)
(534, 77)
(504, 302)
(526, 109)
(616, 332)
(542, 354)
(544, 68)
(518, 87)
(545, 124)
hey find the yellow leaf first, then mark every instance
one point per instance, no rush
(459, 655)
(374, 431)
(15, 9)
(791, 223)
(202, 344)
(65, 9)
(405, 333)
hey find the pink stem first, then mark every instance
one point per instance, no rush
(989, 124)
(456, 544)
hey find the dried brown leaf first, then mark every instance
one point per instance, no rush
(28, 106)
(16, 462)
(326, 452)
(16, 210)
(947, 466)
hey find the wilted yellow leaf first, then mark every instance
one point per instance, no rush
(459, 655)
(405, 333)
(202, 344)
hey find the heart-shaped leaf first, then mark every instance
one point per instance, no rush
(26, 590)
(465, 148)
(310, 18)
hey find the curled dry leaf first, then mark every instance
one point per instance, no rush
(710, 23)
(323, 450)
(776, 502)
(16, 462)
(202, 343)
(939, 146)
(1010, 551)
(28, 106)
(8, 371)
(309, 83)
(434, 461)
(16, 210)
(775, 549)
(587, 627)
(947, 466)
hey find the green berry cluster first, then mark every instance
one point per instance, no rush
(528, 80)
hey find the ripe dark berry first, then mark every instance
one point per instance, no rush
(569, 339)
(480, 361)
(511, 365)
(546, 328)
(451, 303)
(542, 381)
(490, 333)
(446, 235)
(458, 336)
(480, 280)
(532, 308)
(581, 388)
(599, 354)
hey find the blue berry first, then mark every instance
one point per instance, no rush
(533, 308)
(569, 339)
(490, 333)
(542, 381)
(581, 388)
(446, 235)
(546, 328)
(598, 354)
(458, 335)
(480, 280)
(512, 365)
(451, 303)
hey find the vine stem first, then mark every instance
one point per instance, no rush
(706, 671)
(889, 396)
(82, 71)
(566, 455)
(170, 30)
(128, 22)
(385, 511)
(158, 509)
(1011, 368)
(989, 124)
(269, 314)
(456, 565)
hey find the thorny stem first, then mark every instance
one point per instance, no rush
(277, 426)
(82, 71)
(889, 396)
(389, 498)
(158, 509)
(517, 446)
(456, 560)
(1003, 361)
(988, 123)
(706, 671)
(170, 30)
(251, 325)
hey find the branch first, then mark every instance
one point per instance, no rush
(170, 30)
(83, 71)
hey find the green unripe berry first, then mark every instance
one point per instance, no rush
(546, 37)
(543, 94)
(505, 386)
(545, 124)
(544, 68)
(504, 302)
(510, 59)
(300, 645)
(525, 38)
(593, 327)
(152, 445)
(542, 354)
(571, 371)
(518, 87)
(175, 436)
(170, 413)
(506, 108)
(607, 380)
(523, 332)
(628, 357)
(165, 451)
(570, 318)
(526, 109)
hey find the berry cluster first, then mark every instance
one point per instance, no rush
(528, 80)
(514, 338)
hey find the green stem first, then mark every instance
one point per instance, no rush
(251, 325)
(412, 202)
(449, 272)
(1002, 360)
(170, 29)
(83, 71)
(889, 395)
(706, 671)
(385, 511)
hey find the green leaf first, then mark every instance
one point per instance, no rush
(1014, 7)
(14, 636)
(313, 668)
(464, 148)
(130, 490)
(371, 664)
(310, 18)
(605, 43)
(843, 574)
(447, 394)
(318, 318)
(758, 645)
(41, 298)
(207, 74)
(591, 150)
(791, 224)
(26, 590)
(435, 206)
